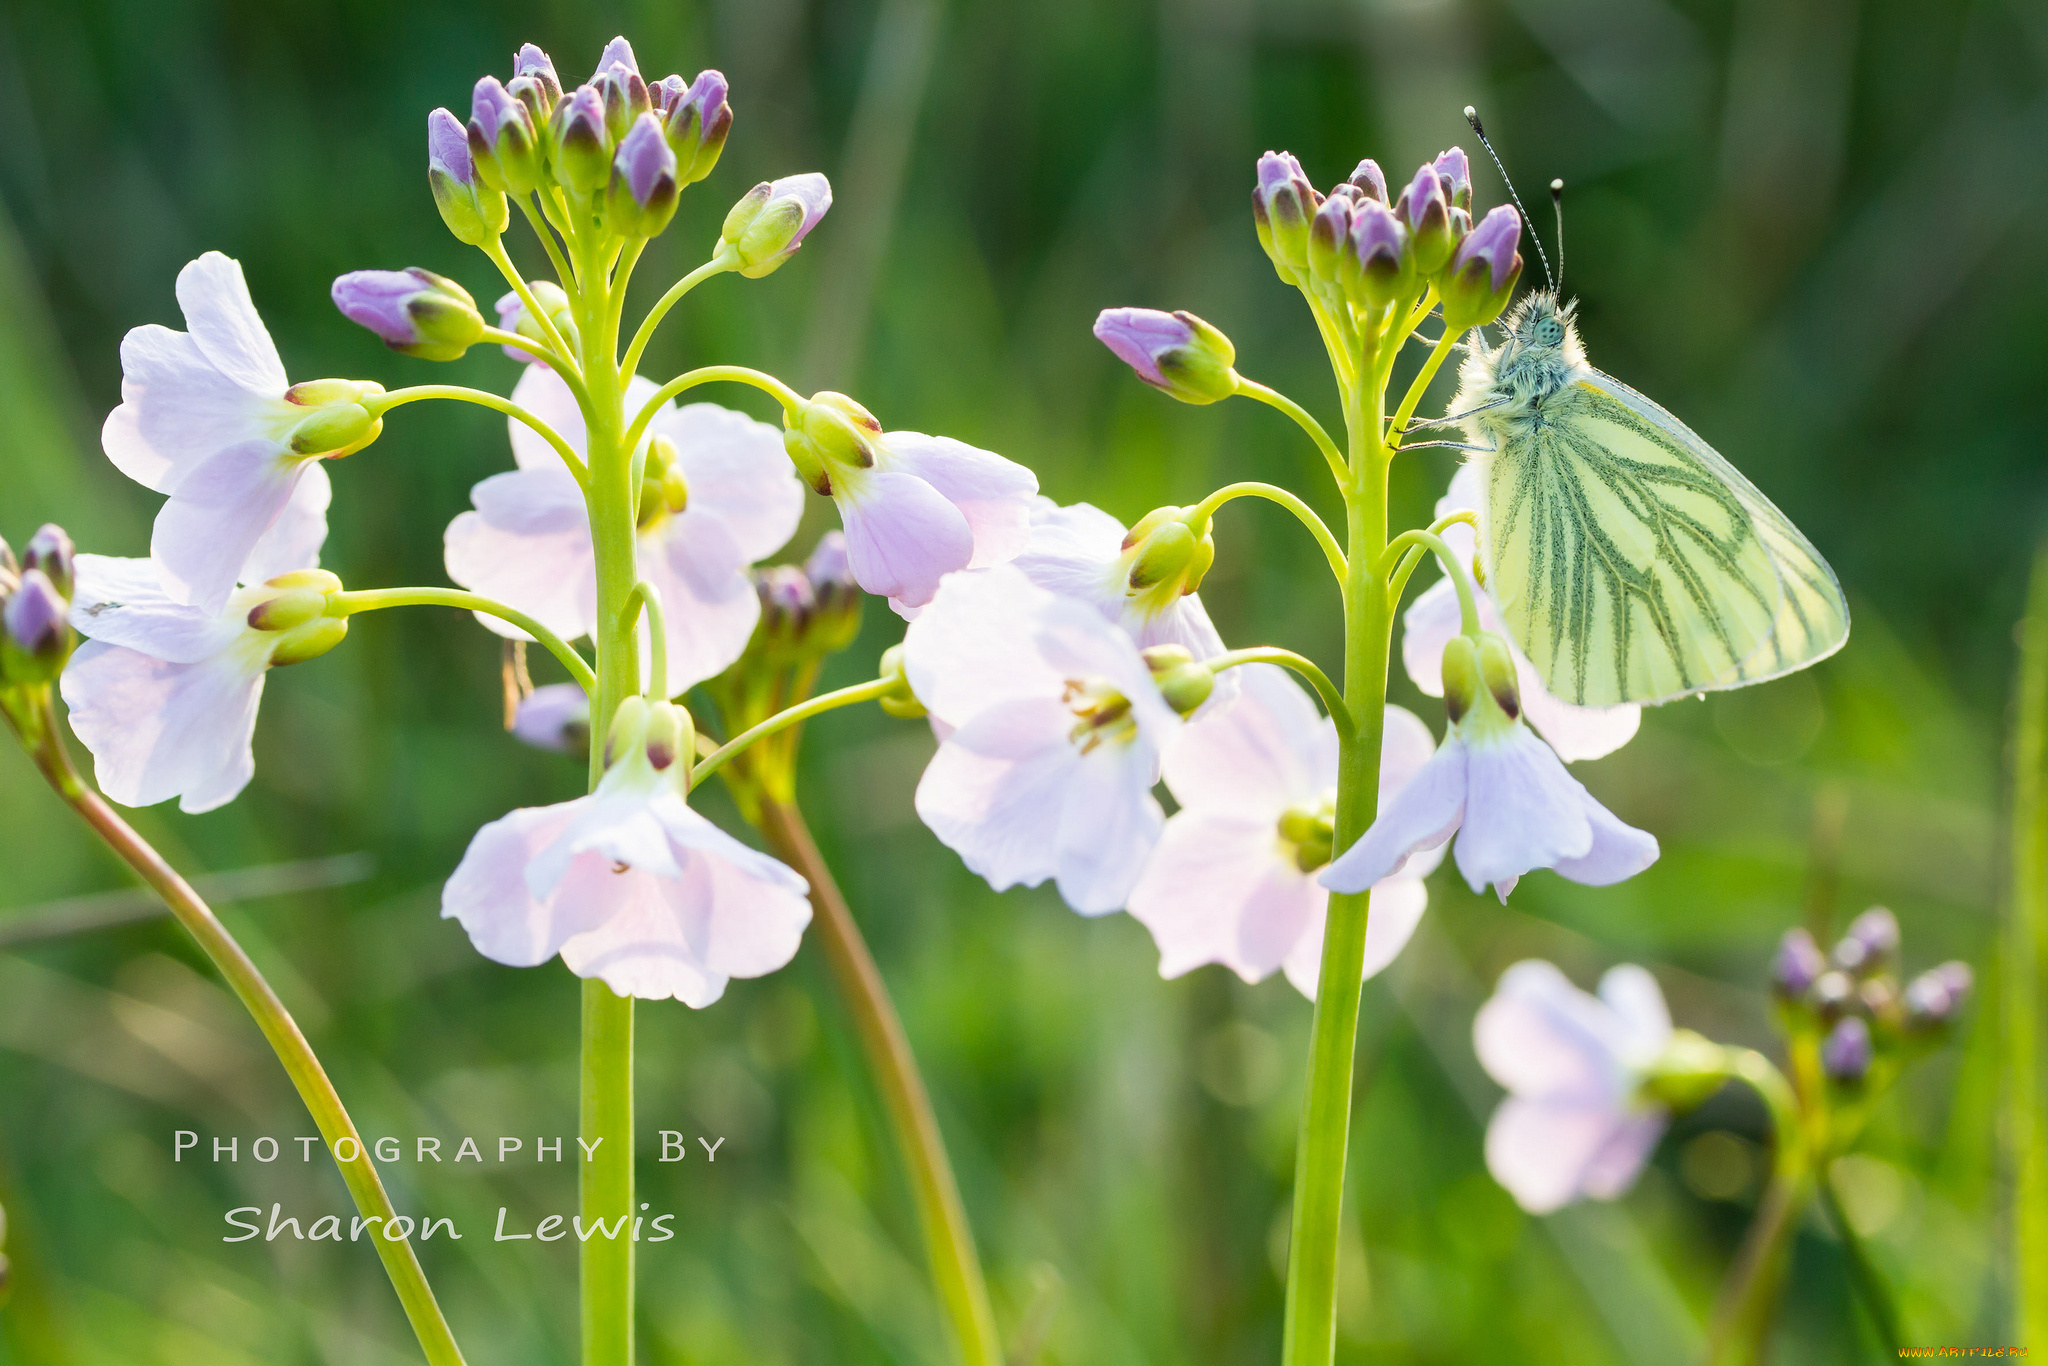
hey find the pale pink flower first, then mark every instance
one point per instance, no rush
(1232, 880)
(204, 418)
(1577, 1122)
(630, 885)
(1575, 732)
(1078, 552)
(1053, 733)
(528, 542)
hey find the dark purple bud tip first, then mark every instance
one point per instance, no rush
(531, 62)
(49, 550)
(1847, 1052)
(1797, 965)
(646, 162)
(1423, 205)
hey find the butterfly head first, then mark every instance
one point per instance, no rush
(1543, 329)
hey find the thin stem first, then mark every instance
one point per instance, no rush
(538, 350)
(1333, 697)
(789, 398)
(544, 228)
(1273, 398)
(803, 711)
(948, 1239)
(1397, 582)
(53, 758)
(376, 599)
(483, 398)
(1876, 1296)
(1303, 513)
(717, 265)
(646, 596)
(1419, 386)
(2024, 969)
(1742, 1311)
(495, 250)
(1460, 577)
(1422, 311)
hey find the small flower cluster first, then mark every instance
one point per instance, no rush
(35, 603)
(1853, 999)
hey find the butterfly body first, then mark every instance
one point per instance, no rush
(1631, 562)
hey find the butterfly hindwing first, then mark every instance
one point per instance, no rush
(1634, 564)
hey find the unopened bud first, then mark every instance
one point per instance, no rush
(839, 600)
(555, 717)
(413, 310)
(1461, 677)
(1167, 560)
(1936, 996)
(1847, 1052)
(1833, 995)
(697, 122)
(1454, 175)
(49, 550)
(1483, 271)
(1370, 180)
(1182, 681)
(1796, 965)
(642, 196)
(625, 99)
(513, 317)
(535, 66)
(1691, 1069)
(1282, 203)
(1310, 827)
(504, 139)
(300, 612)
(618, 52)
(579, 150)
(35, 633)
(628, 730)
(770, 221)
(336, 430)
(1329, 241)
(829, 431)
(899, 701)
(671, 735)
(1872, 941)
(473, 211)
(1426, 214)
(1497, 670)
(1384, 268)
(1176, 353)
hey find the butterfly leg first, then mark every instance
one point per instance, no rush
(1449, 446)
(1452, 419)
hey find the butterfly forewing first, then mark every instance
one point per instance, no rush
(1633, 564)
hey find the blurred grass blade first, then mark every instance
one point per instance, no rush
(101, 910)
(2026, 1127)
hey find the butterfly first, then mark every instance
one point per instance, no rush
(1630, 561)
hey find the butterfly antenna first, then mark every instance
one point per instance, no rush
(1557, 204)
(1472, 117)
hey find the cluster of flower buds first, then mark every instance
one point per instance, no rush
(1361, 246)
(413, 310)
(1176, 353)
(1853, 995)
(35, 609)
(807, 610)
(1165, 557)
(617, 145)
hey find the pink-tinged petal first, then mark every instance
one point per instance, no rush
(555, 717)
(1405, 747)
(488, 892)
(759, 906)
(709, 605)
(1575, 732)
(994, 495)
(1072, 551)
(1621, 1159)
(1108, 825)
(528, 545)
(544, 393)
(972, 647)
(1619, 851)
(1644, 1021)
(224, 322)
(1217, 889)
(622, 822)
(219, 512)
(1184, 622)
(1258, 757)
(1538, 1035)
(995, 790)
(122, 602)
(1426, 627)
(1541, 1150)
(1078, 644)
(1392, 915)
(177, 409)
(159, 730)
(1522, 811)
(902, 535)
(652, 943)
(1421, 815)
(294, 540)
(1467, 493)
(738, 475)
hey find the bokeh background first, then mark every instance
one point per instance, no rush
(1813, 230)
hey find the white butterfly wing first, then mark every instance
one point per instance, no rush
(1633, 563)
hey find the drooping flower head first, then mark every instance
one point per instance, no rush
(1143, 579)
(770, 221)
(629, 884)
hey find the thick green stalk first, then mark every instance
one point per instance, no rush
(271, 1016)
(605, 1188)
(2026, 968)
(948, 1239)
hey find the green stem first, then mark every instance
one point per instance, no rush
(527, 344)
(483, 398)
(1742, 1312)
(717, 265)
(2025, 970)
(1877, 1298)
(308, 1077)
(948, 1239)
(1460, 577)
(1333, 697)
(1303, 513)
(1397, 582)
(376, 599)
(1419, 386)
(789, 398)
(1273, 398)
(558, 347)
(544, 228)
(645, 596)
(803, 711)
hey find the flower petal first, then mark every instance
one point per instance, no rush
(1542, 1150)
(215, 518)
(737, 473)
(995, 790)
(1392, 916)
(972, 646)
(1522, 811)
(1538, 1035)
(902, 535)
(1421, 815)
(122, 602)
(223, 321)
(994, 495)
(159, 730)
(709, 605)
(1644, 1021)
(1619, 851)
(1217, 890)
(528, 545)
(1258, 757)
(295, 538)
(652, 944)
(489, 895)
(1108, 825)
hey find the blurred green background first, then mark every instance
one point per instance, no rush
(1812, 230)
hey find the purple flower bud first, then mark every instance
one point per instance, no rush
(1177, 353)
(580, 149)
(555, 717)
(1483, 269)
(37, 634)
(474, 212)
(49, 550)
(828, 563)
(533, 64)
(1329, 236)
(502, 140)
(1832, 995)
(698, 122)
(787, 602)
(1797, 964)
(1281, 205)
(1426, 214)
(625, 98)
(1872, 940)
(771, 221)
(1936, 996)
(414, 311)
(643, 187)
(1454, 173)
(1386, 267)
(1370, 180)
(618, 52)
(448, 148)
(1847, 1052)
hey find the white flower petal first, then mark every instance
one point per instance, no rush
(1538, 1035)
(223, 321)
(1260, 756)
(759, 905)
(1542, 1150)
(1392, 915)
(738, 474)
(1620, 1160)
(1218, 890)
(652, 944)
(994, 495)
(294, 539)
(1639, 1012)
(995, 790)
(622, 822)
(488, 892)
(1071, 550)
(159, 730)
(973, 647)
(528, 545)
(709, 605)
(902, 535)
(215, 517)
(1108, 824)
(122, 602)
(1618, 852)
(1420, 816)
(555, 717)
(1522, 811)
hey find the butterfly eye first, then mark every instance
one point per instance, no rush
(1549, 332)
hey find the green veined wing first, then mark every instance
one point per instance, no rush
(1634, 564)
